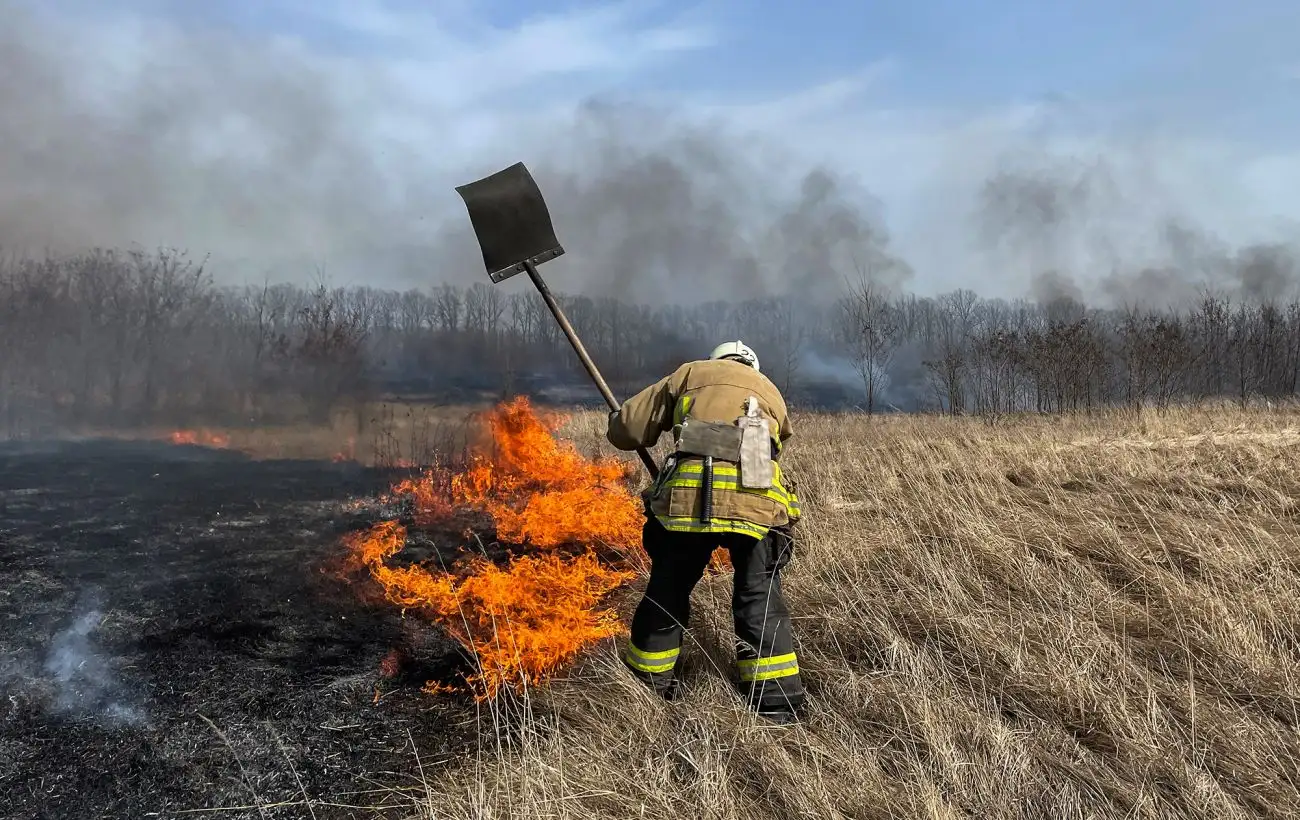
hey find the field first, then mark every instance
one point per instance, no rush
(1091, 616)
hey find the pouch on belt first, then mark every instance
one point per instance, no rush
(757, 472)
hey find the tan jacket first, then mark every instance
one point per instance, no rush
(717, 391)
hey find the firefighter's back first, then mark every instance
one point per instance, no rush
(717, 390)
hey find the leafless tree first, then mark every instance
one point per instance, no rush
(871, 332)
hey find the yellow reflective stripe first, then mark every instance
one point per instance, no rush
(717, 525)
(682, 409)
(775, 673)
(653, 656)
(777, 666)
(775, 494)
(725, 471)
(772, 495)
(775, 660)
(723, 467)
(652, 668)
(646, 661)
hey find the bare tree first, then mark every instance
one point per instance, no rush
(871, 332)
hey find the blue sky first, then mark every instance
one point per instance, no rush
(1196, 103)
(1174, 57)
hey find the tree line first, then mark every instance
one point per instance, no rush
(124, 337)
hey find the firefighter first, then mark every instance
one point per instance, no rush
(721, 486)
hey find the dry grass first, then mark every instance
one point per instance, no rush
(380, 434)
(1066, 618)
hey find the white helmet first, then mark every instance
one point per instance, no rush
(736, 350)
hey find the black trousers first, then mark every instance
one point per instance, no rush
(765, 658)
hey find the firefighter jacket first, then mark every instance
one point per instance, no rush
(709, 391)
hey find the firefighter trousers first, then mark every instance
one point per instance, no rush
(765, 657)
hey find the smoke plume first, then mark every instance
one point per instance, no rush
(280, 165)
(74, 677)
(1086, 232)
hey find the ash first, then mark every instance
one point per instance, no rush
(174, 635)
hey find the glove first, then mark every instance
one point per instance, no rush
(613, 414)
(782, 548)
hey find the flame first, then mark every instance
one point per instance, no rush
(348, 453)
(521, 623)
(541, 491)
(525, 621)
(199, 437)
(391, 664)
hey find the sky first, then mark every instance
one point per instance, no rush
(291, 129)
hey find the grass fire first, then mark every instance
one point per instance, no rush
(1089, 614)
(309, 506)
(523, 621)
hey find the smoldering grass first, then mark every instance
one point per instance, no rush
(75, 677)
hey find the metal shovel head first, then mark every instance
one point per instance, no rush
(511, 221)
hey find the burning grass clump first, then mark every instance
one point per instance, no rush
(565, 514)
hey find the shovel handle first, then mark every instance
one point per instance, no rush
(578, 348)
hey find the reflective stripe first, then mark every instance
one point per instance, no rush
(726, 476)
(652, 662)
(777, 666)
(682, 409)
(717, 525)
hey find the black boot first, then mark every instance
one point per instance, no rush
(779, 715)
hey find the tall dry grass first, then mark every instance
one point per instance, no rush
(1044, 618)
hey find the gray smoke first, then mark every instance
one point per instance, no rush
(688, 215)
(75, 678)
(255, 152)
(1073, 231)
(203, 141)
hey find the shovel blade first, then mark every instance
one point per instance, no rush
(511, 221)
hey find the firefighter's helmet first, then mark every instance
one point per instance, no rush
(737, 350)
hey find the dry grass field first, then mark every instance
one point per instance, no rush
(1044, 617)
(1087, 617)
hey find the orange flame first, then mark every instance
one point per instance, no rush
(348, 453)
(524, 622)
(521, 624)
(199, 437)
(541, 491)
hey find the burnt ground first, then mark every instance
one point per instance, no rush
(146, 589)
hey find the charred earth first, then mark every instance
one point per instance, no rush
(174, 635)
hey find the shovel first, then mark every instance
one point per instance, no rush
(515, 234)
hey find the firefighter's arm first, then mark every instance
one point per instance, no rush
(642, 418)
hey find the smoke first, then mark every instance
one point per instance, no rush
(662, 210)
(278, 164)
(75, 678)
(198, 139)
(1054, 286)
(280, 161)
(1085, 232)
(825, 369)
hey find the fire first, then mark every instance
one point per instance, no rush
(199, 437)
(525, 621)
(541, 491)
(521, 624)
(348, 453)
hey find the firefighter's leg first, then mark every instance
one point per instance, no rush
(677, 563)
(766, 661)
